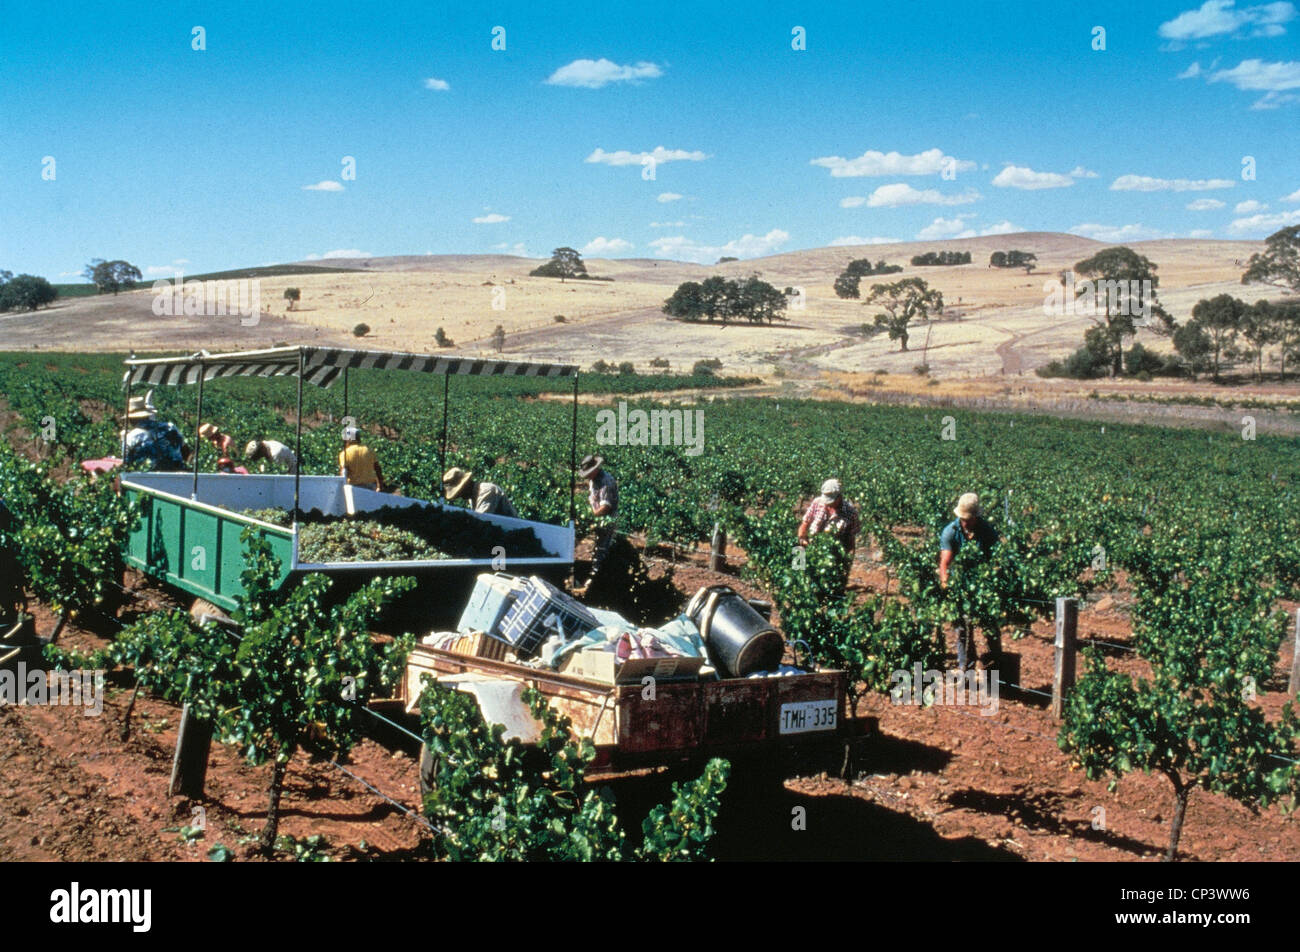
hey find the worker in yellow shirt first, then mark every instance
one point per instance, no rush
(357, 463)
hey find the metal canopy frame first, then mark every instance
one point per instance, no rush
(323, 366)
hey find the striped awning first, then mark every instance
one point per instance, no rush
(322, 365)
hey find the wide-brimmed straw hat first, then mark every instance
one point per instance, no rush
(590, 465)
(455, 481)
(968, 506)
(831, 488)
(141, 408)
(208, 430)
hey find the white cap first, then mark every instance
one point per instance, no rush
(831, 487)
(350, 433)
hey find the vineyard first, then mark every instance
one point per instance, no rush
(1195, 533)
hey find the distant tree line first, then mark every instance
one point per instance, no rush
(722, 299)
(1222, 330)
(847, 285)
(1013, 259)
(26, 292)
(940, 257)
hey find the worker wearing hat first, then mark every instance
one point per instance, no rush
(152, 443)
(969, 526)
(272, 451)
(831, 512)
(223, 443)
(486, 498)
(357, 463)
(602, 494)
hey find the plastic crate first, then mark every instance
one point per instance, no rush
(542, 611)
(492, 597)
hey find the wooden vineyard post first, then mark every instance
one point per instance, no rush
(1067, 631)
(1294, 686)
(190, 765)
(718, 549)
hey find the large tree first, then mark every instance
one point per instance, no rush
(903, 302)
(1284, 319)
(26, 292)
(1258, 330)
(1220, 317)
(1279, 263)
(112, 276)
(686, 303)
(1120, 276)
(564, 263)
(759, 301)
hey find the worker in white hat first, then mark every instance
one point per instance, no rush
(152, 443)
(274, 452)
(602, 494)
(832, 513)
(969, 526)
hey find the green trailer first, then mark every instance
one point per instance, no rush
(192, 524)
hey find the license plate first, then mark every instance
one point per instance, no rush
(801, 717)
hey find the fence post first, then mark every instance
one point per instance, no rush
(1294, 687)
(1067, 631)
(190, 765)
(718, 549)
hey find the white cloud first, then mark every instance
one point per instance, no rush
(1115, 234)
(749, 246)
(1262, 223)
(1248, 207)
(853, 201)
(855, 240)
(668, 224)
(1191, 72)
(1222, 18)
(1080, 172)
(929, 162)
(441, 85)
(491, 219)
(1200, 233)
(159, 269)
(517, 248)
(1293, 197)
(1205, 205)
(659, 154)
(598, 247)
(900, 194)
(1003, 227)
(1145, 183)
(341, 253)
(593, 74)
(665, 197)
(1257, 74)
(325, 186)
(946, 228)
(1018, 176)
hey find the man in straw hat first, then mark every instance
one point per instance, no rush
(602, 494)
(487, 498)
(223, 443)
(969, 526)
(832, 513)
(152, 443)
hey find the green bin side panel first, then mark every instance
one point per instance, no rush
(195, 550)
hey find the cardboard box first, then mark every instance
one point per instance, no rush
(604, 666)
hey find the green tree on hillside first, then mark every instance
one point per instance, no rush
(25, 292)
(565, 263)
(1114, 272)
(1279, 263)
(1220, 319)
(910, 299)
(112, 276)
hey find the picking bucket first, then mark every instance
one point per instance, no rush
(739, 640)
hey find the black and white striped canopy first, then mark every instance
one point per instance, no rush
(322, 365)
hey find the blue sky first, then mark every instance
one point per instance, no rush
(897, 121)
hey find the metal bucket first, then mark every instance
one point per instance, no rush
(739, 640)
